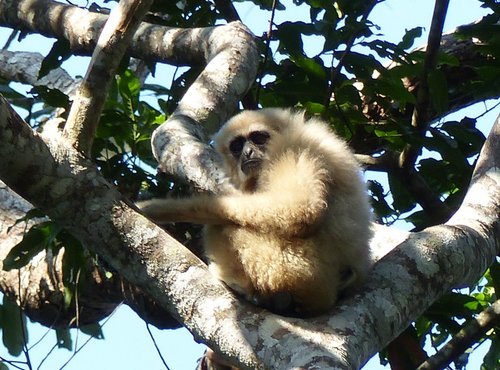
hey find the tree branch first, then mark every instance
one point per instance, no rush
(87, 107)
(42, 289)
(227, 10)
(421, 112)
(469, 334)
(425, 265)
(402, 285)
(230, 55)
(10, 70)
(437, 210)
(179, 144)
(71, 191)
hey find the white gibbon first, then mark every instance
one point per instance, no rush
(294, 234)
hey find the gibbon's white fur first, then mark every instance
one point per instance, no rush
(295, 232)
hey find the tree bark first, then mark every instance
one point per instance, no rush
(54, 177)
(113, 41)
(402, 285)
(229, 53)
(230, 57)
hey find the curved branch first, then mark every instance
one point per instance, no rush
(229, 52)
(179, 144)
(91, 95)
(57, 179)
(425, 265)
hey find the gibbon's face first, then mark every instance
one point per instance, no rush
(243, 142)
(249, 151)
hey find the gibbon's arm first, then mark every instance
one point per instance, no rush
(198, 209)
(260, 211)
(292, 199)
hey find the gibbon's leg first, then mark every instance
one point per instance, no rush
(291, 198)
(224, 258)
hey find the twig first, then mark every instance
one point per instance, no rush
(421, 114)
(268, 48)
(335, 71)
(23, 328)
(469, 334)
(431, 203)
(425, 196)
(77, 350)
(227, 10)
(11, 38)
(111, 46)
(156, 346)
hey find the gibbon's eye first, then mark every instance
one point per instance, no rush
(236, 145)
(259, 137)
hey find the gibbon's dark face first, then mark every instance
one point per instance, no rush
(249, 151)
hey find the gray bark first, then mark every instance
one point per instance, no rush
(401, 286)
(54, 177)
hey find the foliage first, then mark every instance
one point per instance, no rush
(348, 83)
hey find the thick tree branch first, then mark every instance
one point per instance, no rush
(11, 70)
(113, 41)
(424, 266)
(42, 289)
(71, 191)
(179, 144)
(229, 53)
(174, 46)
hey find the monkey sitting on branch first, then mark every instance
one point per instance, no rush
(295, 232)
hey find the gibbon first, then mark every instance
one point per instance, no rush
(295, 231)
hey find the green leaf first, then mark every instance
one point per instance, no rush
(13, 327)
(469, 139)
(53, 97)
(380, 207)
(64, 339)
(129, 87)
(290, 37)
(402, 199)
(74, 261)
(456, 304)
(34, 241)
(60, 51)
(93, 330)
(31, 214)
(495, 277)
(423, 326)
(3, 366)
(312, 67)
(409, 37)
(491, 360)
(68, 294)
(438, 90)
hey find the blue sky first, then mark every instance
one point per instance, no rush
(127, 344)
